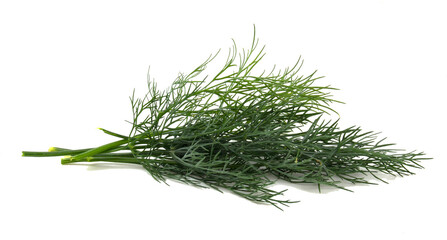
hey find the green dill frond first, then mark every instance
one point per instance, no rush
(241, 131)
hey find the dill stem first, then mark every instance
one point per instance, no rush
(53, 154)
(57, 152)
(114, 159)
(99, 149)
(102, 159)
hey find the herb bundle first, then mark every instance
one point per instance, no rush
(241, 131)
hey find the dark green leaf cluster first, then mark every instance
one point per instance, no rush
(241, 131)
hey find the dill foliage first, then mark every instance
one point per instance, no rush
(241, 131)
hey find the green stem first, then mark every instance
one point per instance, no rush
(113, 134)
(53, 153)
(115, 159)
(56, 151)
(100, 149)
(102, 159)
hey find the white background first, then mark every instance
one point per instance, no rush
(67, 68)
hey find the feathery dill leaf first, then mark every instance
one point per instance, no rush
(241, 131)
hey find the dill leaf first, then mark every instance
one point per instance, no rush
(241, 131)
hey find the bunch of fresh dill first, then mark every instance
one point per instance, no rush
(239, 131)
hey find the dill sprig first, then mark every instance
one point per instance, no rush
(241, 131)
